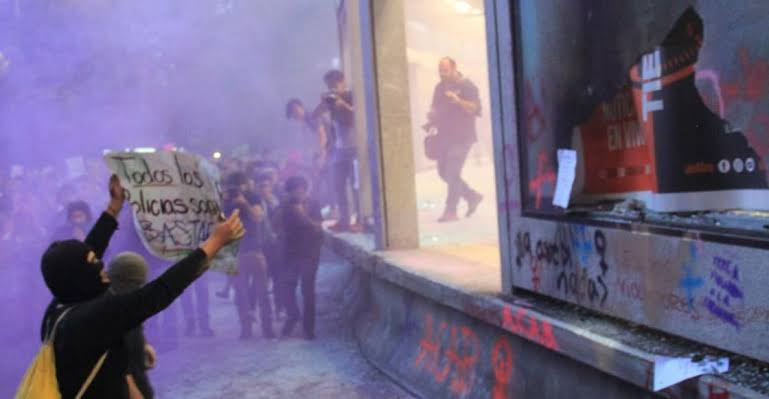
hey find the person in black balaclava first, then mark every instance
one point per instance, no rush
(78, 220)
(92, 323)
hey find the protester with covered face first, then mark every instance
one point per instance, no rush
(93, 323)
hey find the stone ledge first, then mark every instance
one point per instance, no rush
(651, 371)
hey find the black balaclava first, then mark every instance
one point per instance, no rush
(69, 275)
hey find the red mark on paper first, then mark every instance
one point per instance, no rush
(502, 364)
(545, 174)
(539, 331)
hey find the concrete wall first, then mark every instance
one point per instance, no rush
(438, 352)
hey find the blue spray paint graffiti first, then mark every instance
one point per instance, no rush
(581, 243)
(690, 281)
(724, 291)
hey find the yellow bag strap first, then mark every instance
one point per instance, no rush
(96, 368)
(90, 378)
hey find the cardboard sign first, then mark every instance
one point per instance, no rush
(176, 201)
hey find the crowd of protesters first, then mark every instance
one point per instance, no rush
(280, 200)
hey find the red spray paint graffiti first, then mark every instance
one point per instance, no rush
(538, 331)
(460, 356)
(462, 360)
(451, 353)
(502, 364)
(534, 117)
(430, 351)
(755, 79)
(751, 87)
(545, 174)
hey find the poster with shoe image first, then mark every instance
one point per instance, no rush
(176, 201)
(661, 139)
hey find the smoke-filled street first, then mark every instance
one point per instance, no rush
(228, 368)
(225, 367)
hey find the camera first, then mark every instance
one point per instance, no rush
(330, 98)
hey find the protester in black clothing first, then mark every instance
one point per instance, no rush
(128, 272)
(455, 106)
(95, 323)
(251, 281)
(78, 221)
(299, 222)
(338, 102)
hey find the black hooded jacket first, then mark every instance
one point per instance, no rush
(96, 326)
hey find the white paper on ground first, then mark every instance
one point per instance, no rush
(567, 165)
(669, 371)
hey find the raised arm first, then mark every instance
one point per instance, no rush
(101, 233)
(109, 317)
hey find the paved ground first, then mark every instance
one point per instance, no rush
(225, 367)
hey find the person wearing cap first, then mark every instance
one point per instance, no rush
(128, 272)
(95, 322)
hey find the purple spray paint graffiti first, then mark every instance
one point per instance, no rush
(725, 290)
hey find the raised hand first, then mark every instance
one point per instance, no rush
(224, 233)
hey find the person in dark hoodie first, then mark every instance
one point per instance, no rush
(95, 322)
(299, 228)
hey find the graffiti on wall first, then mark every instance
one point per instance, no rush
(450, 352)
(725, 291)
(576, 254)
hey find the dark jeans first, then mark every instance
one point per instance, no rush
(450, 164)
(199, 310)
(304, 271)
(251, 290)
(344, 174)
(274, 265)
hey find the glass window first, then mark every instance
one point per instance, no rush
(665, 105)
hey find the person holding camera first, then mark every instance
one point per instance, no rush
(322, 130)
(455, 106)
(338, 102)
(298, 222)
(251, 280)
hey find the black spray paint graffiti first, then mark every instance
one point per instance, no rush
(576, 276)
(176, 235)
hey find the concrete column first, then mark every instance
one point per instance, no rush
(374, 58)
(398, 189)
